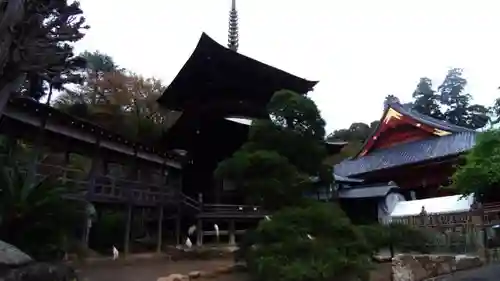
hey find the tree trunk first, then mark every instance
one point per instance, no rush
(10, 16)
(6, 89)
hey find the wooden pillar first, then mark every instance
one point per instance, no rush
(130, 199)
(178, 218)
(160, 229)
(199, 223)
(164, 176)
(199, 232)
(128, 227)
(66, 161)
(94, 167)
(232, 233)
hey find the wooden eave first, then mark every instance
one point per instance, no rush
(397, 112)
(215, 73)
(31, 112)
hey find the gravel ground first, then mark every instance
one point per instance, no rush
(152, 270)
(146, 270)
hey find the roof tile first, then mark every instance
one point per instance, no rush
(408, 153)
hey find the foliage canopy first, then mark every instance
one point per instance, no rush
(317, 242)
(35, 45)
(450, 102)
(118, 100)
(481, 171)
(282, 155)
(37, 217)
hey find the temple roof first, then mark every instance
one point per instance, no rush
(395, 110)
(366, 191)
(408, 153)
(214, 73)
(341, 179)
(427, 120)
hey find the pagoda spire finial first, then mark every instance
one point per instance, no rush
(233, 36)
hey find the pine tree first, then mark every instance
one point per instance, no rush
(459, 110)
(426, 99)
(34, 45)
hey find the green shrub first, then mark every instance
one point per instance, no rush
(280, 250)
(403, 238)
(35, 216)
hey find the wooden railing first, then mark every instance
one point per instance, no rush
(105, 188)
(110, 189)
(230, 210)
(190, 202)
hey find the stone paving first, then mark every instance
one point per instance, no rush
(486, 273)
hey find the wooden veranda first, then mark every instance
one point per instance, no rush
(62, 133)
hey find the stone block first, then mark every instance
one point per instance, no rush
(194, 275)
(464, 262)
(408, 267)
(173, 277)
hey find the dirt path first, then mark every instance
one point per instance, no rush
(145, 270)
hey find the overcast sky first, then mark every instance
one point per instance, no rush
(360, 51)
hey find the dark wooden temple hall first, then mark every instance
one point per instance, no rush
(170, 184)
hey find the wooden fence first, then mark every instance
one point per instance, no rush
(457, 233)
(476, 231)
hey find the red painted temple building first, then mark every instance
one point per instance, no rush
(416, 152)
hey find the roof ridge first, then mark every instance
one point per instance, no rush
(424, 117)
(398, 147)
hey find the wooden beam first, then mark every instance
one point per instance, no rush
(128, 226)
(160, 229)
(130, 194)
(178, 196)
(199, 224)
(84, 136)
(223, 232)
(232, 233)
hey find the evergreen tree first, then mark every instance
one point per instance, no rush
(34, 45)
(450, 102)
(302, 239)
(426, 100)
(459, 110)
(283, 154)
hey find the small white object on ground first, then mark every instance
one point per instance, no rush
(216, 227)
(116, 254)
(189, 244)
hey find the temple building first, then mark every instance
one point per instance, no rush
(416, 152)
(214, 90)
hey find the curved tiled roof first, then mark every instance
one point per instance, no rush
(418, 117)
(214, 72)
(430, 121)
(408, 153)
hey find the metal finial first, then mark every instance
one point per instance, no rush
(233, 36)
